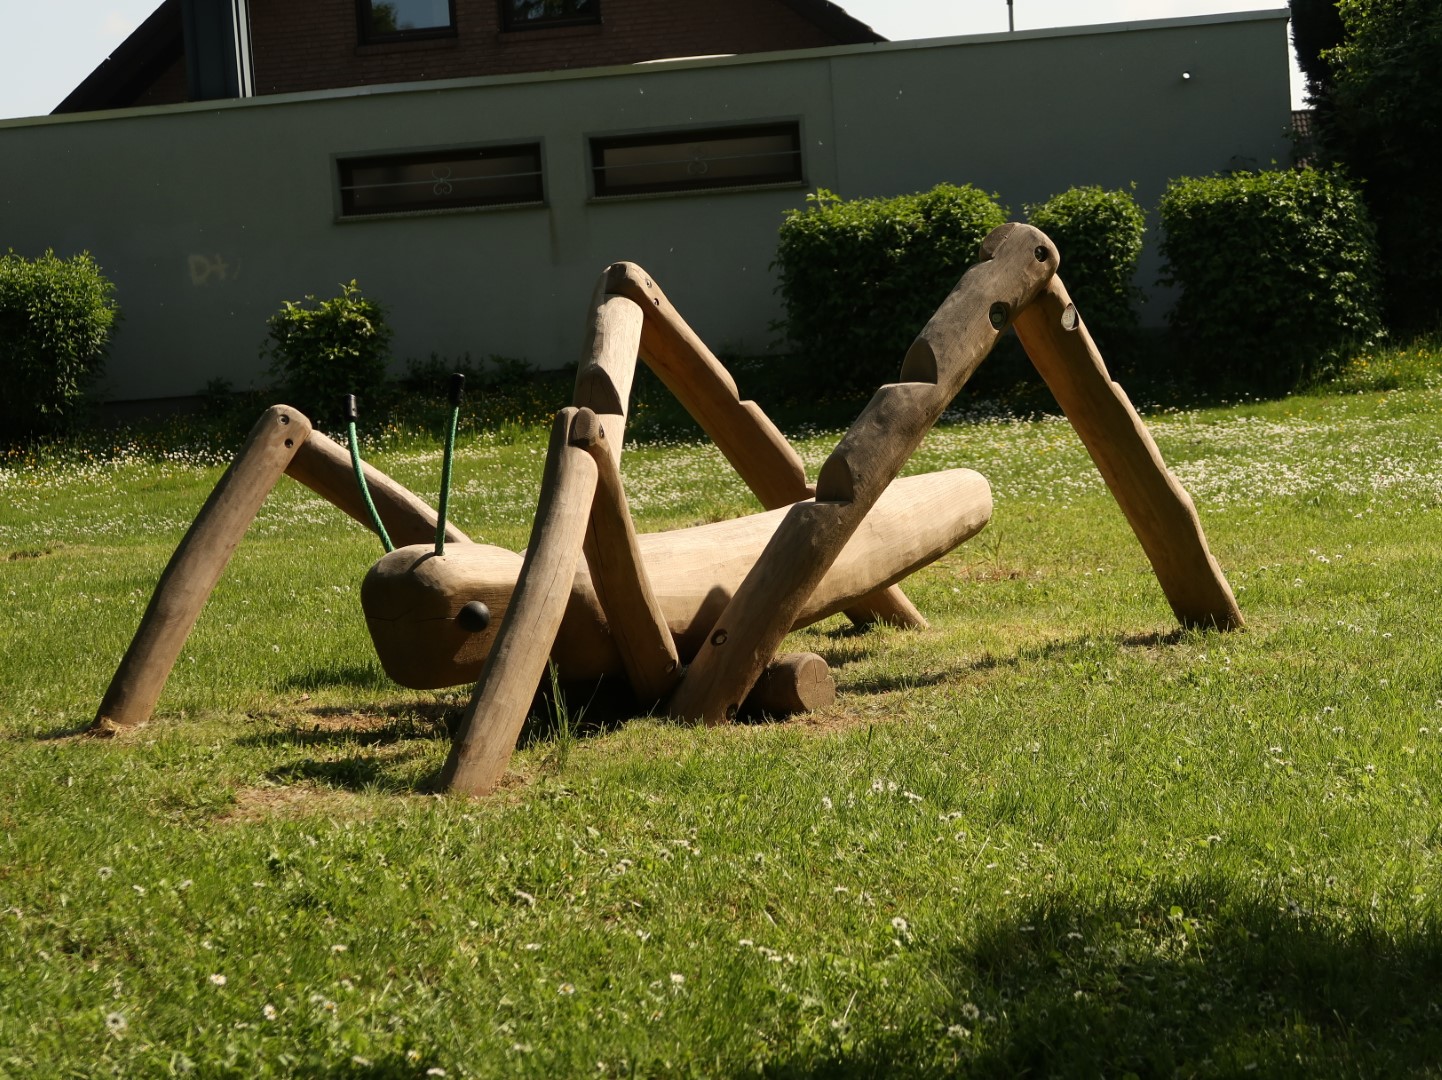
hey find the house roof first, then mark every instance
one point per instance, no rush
(830, 17)
(159, 42)
(134, 65)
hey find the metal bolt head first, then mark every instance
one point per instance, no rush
(718, 638)
(474, 617)
(997, 315)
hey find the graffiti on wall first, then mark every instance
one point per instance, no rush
(211, 269)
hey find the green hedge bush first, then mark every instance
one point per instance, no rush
(1278, 275)
(859, 279)
(56, 317)
(321, 350)
(1098, 234)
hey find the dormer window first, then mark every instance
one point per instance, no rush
(537, 14)
(403, 20)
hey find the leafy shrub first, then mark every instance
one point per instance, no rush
(56, 316)
(1278, 275)
(1099, 237)
(859, 279)
(321, 350)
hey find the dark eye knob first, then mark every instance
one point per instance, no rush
(474, 617)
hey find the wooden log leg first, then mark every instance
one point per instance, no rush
(493, 719)
(1017, 261)
(1155, 504)
(618, 575)
(761, 455)
(890, 606)
(792, 683)
(324, 466)
(608, 362)
(196, 566)
(745, 435)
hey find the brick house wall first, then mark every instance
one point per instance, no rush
(168, 89)
(315, 46)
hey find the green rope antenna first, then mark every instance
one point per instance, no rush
(360, 474)
(458, 385)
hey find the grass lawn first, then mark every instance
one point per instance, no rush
(1051, 835)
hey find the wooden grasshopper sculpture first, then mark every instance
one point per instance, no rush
(692, 618)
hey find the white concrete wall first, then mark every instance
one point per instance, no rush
(208, 215)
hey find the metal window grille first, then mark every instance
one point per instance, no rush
(697, 160)
(442, 180)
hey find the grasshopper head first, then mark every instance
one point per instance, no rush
(433, 618)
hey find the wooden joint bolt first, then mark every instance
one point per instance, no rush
(1043, 250)
(586, 430)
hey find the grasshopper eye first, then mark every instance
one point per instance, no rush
(474, 617)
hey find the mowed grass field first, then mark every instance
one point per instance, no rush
(1050, 835)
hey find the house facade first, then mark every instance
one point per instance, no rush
(192, 50)
(479, 210)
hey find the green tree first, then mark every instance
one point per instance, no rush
(1383, 123)
(1316, 29)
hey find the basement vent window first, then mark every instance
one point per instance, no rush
(441, 180)
(537, 14)
(403, 20)
(703, 160)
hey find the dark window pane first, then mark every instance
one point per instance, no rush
(525, 14)
(405, 18)
(445, 180)
(697, 160)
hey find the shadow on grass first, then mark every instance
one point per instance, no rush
(364, 676)
(1201, 978)
(374, 748)
(885, 684)
(849, 631)
(391, 774)
(1083, 645)
(339, 726)
(368, 743)
(70, 731)
(1062, 648)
